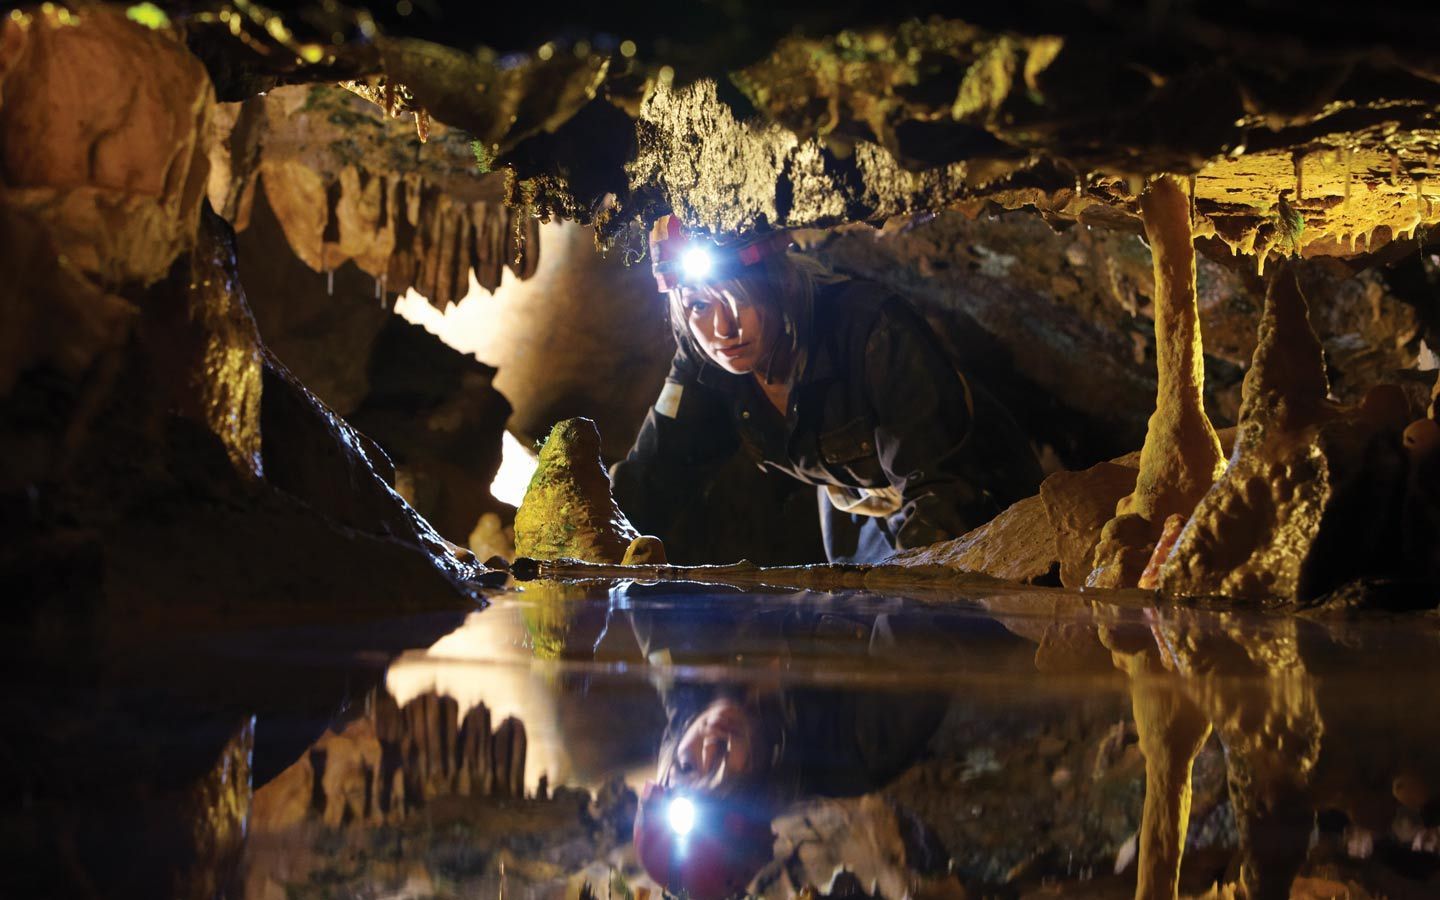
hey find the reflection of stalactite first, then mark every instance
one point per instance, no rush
(381, 767)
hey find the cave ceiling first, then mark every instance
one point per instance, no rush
(1305, 129)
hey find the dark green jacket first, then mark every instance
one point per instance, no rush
(877, 404)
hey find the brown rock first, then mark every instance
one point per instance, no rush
(1078, 504)
(103, 123)
(1017, 545)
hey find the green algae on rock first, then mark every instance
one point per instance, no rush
(568, 511)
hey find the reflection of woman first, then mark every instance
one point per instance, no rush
(734, 754)
(830, 381)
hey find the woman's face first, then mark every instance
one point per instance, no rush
(731, 332)
(718, 747)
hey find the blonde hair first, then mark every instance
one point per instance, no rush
(781, 286)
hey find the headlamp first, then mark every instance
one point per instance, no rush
(697, 264)
(679, 258)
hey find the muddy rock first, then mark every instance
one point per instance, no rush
(568, 510)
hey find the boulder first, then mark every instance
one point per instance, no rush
(1017, 545)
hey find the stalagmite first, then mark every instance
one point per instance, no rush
(1181, 457)
(568, 511)
(1305, 504)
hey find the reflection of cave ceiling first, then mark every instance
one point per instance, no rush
(1311, 133)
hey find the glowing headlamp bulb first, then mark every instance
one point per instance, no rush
(697, 264)
(681, 815)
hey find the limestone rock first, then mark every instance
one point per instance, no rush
(349, 184)
(1017, 545)
(1310, 498)
(1181, 457)
(104, 122)
(1078, 504)
(568, 510)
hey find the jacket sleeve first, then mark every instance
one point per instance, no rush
(686, 434)
(924, 431)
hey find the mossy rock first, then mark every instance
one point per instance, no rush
(568, 511)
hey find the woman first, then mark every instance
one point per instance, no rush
(831, 381)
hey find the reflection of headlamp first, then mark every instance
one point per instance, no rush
(678, 258)
(704, 846)
(681, 816)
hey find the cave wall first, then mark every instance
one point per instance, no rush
(585, 335)
(148, 432)
(1060, 323)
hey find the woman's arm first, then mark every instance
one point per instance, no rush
(686, 433)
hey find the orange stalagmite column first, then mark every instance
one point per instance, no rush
(1182, 457)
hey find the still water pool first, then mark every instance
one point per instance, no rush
(1002, 742)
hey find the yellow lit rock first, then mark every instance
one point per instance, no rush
(1181, 457)
(568, 511)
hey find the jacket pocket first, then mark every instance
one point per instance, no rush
(849, 454)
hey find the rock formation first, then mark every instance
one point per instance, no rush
(1306, 479)
(568, 511)
(148, 430)
(1181, 456)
